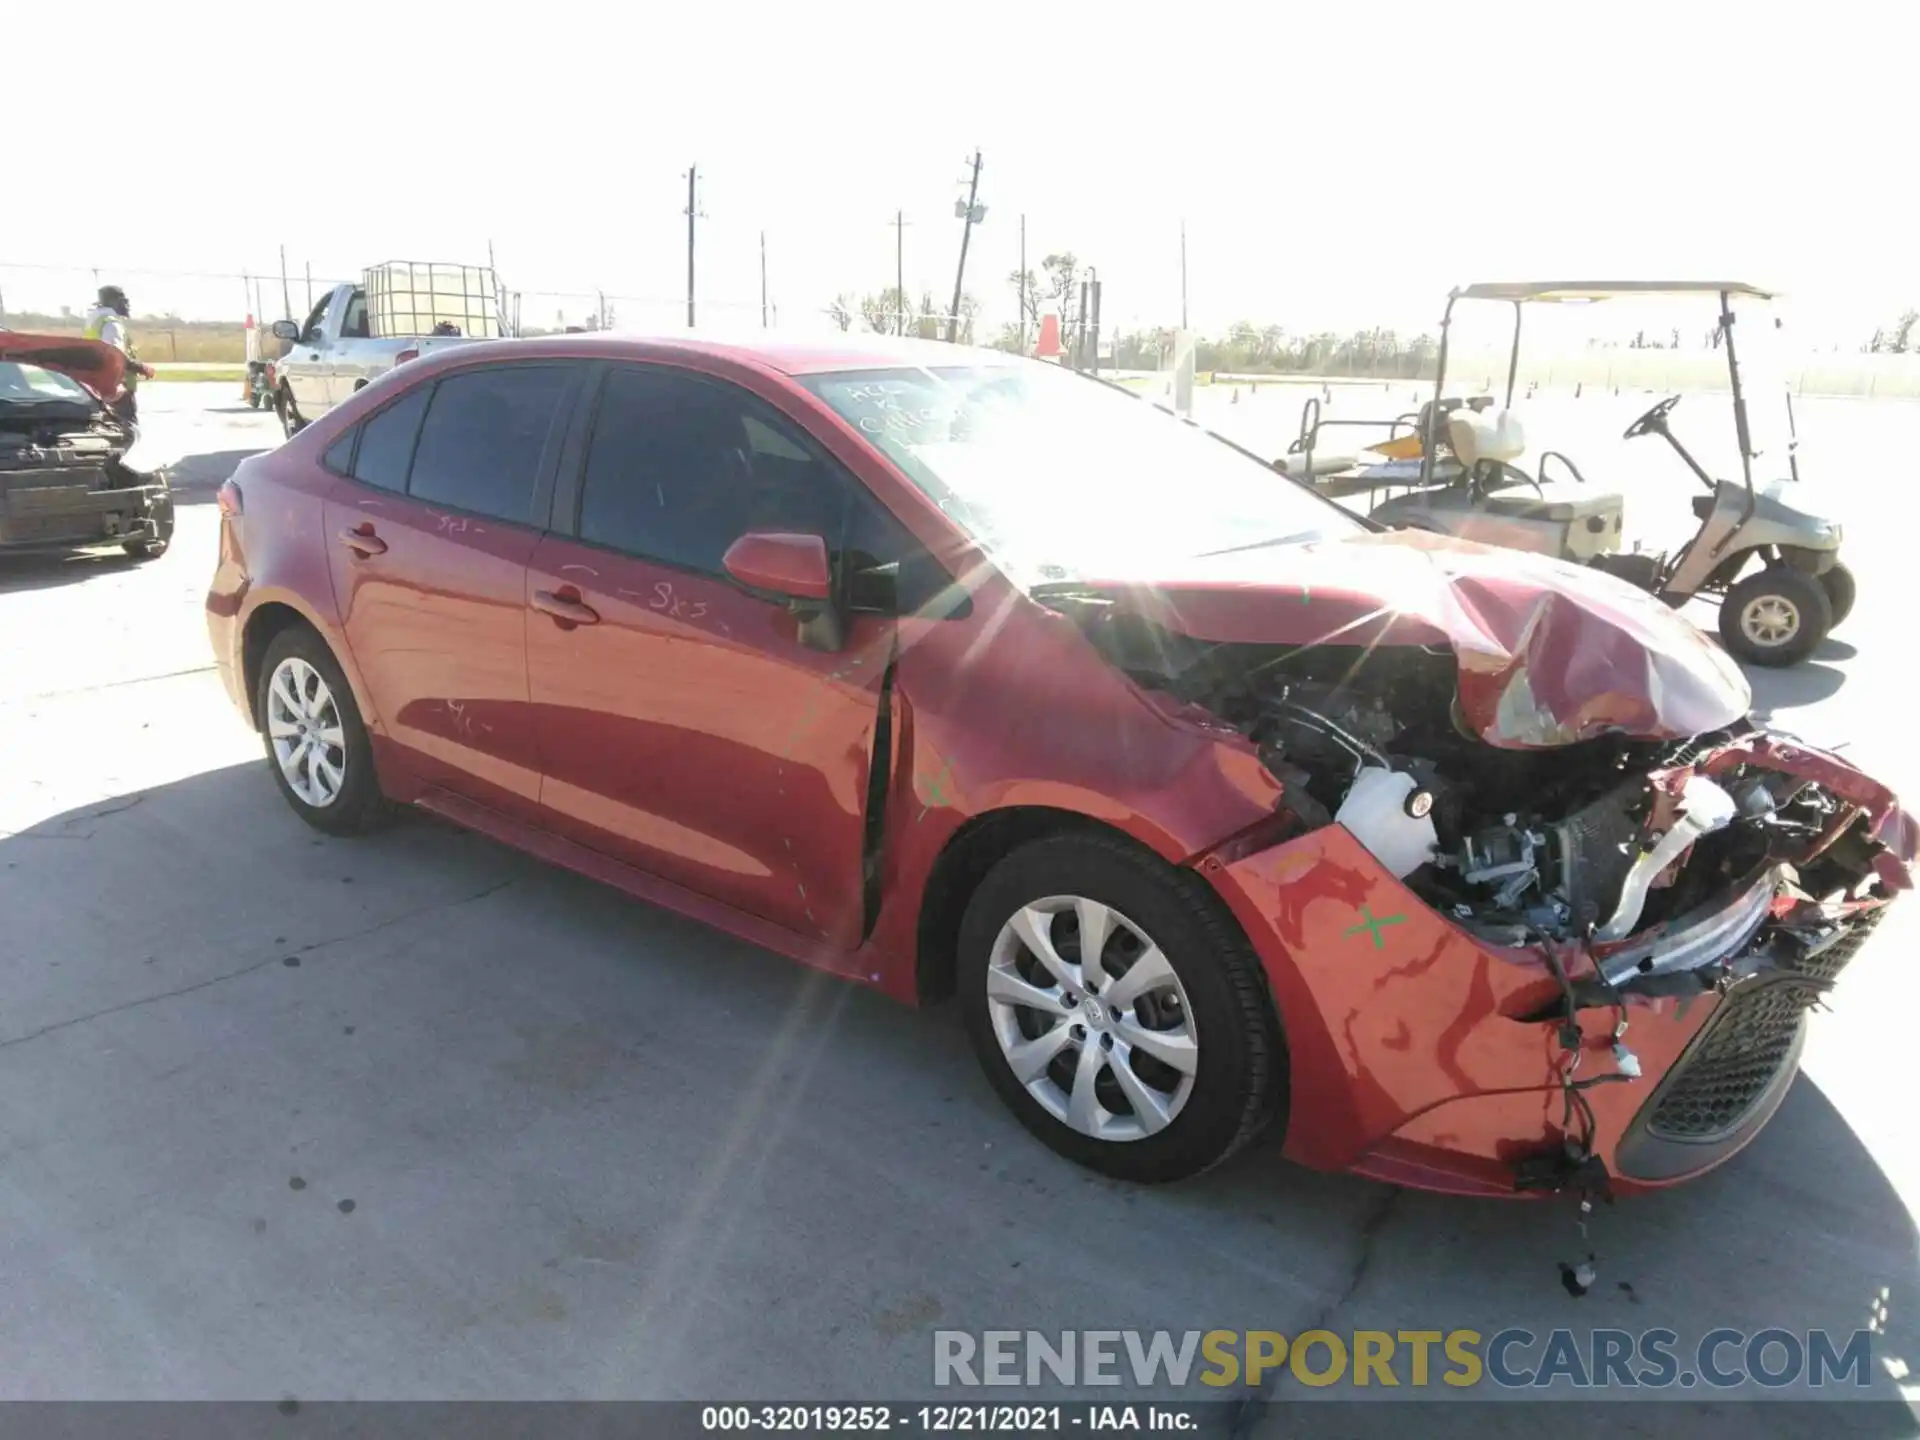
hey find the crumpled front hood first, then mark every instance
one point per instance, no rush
(1549, 653)
(94, 363)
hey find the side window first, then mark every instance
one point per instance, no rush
(354, 326)
(483, 438)
(386, 441)
(339, 456)
(885, 569)
(680, 467)
(310, 333)
(670, 474)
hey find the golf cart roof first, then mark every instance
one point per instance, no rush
(1558, 292)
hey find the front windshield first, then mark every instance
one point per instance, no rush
(29, 384)
(1063, 478)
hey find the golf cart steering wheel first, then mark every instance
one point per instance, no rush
(1651, 422)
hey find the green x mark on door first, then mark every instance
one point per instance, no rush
(1374, 926)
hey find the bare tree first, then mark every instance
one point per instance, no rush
(841, 312)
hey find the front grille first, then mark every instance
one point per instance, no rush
(1733, 1060)
(1826, 965)
(1751, 1036)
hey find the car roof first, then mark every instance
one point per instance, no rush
(789, 354)
(1562, 292)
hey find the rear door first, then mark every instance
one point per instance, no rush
(429, 543)
(684, 727)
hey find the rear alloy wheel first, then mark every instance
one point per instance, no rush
(1841, 590)
(317, 746)
(1116, 1011)
(1775, 617)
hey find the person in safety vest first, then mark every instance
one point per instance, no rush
(107, 321)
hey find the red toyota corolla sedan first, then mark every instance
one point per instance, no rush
(951, 672)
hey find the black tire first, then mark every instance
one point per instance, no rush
(1801, 593)
(291, 423)
(163, 524)
(1240, 1071)
(1841, 590)
(358, 806)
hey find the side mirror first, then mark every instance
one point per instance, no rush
(790, 570)
(285, 330)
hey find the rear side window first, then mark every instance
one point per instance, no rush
(483, 438)
(339, 456)
(386, 442)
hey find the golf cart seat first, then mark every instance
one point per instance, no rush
(1486, 435)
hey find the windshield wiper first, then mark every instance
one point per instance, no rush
(1261, 544)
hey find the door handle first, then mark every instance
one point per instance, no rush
(565, 606)
(362, 541)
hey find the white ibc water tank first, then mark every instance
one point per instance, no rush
(1376, 812)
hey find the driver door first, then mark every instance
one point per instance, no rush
(685, 729)
(306, 364)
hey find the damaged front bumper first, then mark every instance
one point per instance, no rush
(1425, 1055)
(62, 508)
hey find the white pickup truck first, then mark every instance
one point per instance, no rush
(398, 311)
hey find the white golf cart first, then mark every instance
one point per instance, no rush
(1458, 467)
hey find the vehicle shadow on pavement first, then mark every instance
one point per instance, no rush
(196, 479)
(1807, 683)
(519, 1136)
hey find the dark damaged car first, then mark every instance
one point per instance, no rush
(64, 480)
(949, 673)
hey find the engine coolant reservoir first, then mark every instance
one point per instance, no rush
(1378, 814)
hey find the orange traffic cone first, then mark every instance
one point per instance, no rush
(1048, 347)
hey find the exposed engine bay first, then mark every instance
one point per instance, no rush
(1594, 841)
(64, 479)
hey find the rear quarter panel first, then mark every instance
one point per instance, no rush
(276, 553)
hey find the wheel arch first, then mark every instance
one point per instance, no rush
(271, 617)
(972, 851)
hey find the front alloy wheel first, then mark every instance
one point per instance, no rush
(1090, 972)
(1091, 1018)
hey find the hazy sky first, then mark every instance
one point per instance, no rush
(1336, 164)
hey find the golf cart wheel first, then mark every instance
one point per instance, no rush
(1775, 617)
(1118, 1012)
(1841, 590)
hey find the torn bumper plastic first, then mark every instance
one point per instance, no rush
(1423, 1055)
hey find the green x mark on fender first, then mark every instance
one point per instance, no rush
(936, 782)
(1374, 926)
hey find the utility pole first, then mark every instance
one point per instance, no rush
(899, 272)
(286, 296)
(309, 285)
(763, 279)
(1023, 284)
(1183, 274)
(972, 213)
(693, 210)
(1096, 318)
